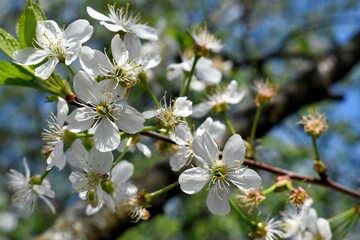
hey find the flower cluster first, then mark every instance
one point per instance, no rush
(103, 121)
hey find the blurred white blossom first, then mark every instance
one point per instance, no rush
(28, 189)
(220, 100)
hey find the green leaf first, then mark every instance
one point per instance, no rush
(8, 43)
(15, 75)
(27, 23)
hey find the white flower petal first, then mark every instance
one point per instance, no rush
(57, 157)
(193, 180)
(231, 93)
(92, 210)
(119, 50)
(182, 135)
(201, 109)
(130, 121)
(29, 56)
(234, 150)
(218, 201)
(79, 31)
(27, 169)
(48, 203)
(205, 149)
(72, 52)
(205, 72)
(108, 200)
(149, 114)
(95, 62)
(62, 111)
(216, 129)
(45, 70)
(182, 107)
(122, 145)
(77, 155)
(133, 45)
(106, 136)
(86, 87)
(79, 183)
(179, 159)
(99, 162)
(245, 179)
(324, 228)
(174, 71)
(79, 120)
(144, 32)
(122, 172)
(144, 149)
(197, 85)
(151, 61)
(113, 27)
(112, 86)
(48, 32)
(98, 16)
(44, 189)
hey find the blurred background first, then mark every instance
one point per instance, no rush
(274, 38)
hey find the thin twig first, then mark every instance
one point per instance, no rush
(329, 183)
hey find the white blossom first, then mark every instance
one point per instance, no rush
(28, 189)
(121, 20)
(93, 170)
(121, 70)
(120, 176)
(54, 45)
(126, 193)
(183, 138)
(102, 114)
(205, 40)
(205, 74)
(270, 230)
(219, 100)
(219, 173)
(216, 129)
(303, 223)
(170, 115)
(55, 136)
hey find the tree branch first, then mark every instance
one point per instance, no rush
(309, 87)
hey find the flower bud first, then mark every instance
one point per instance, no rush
(320, 168)
(283, 183)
